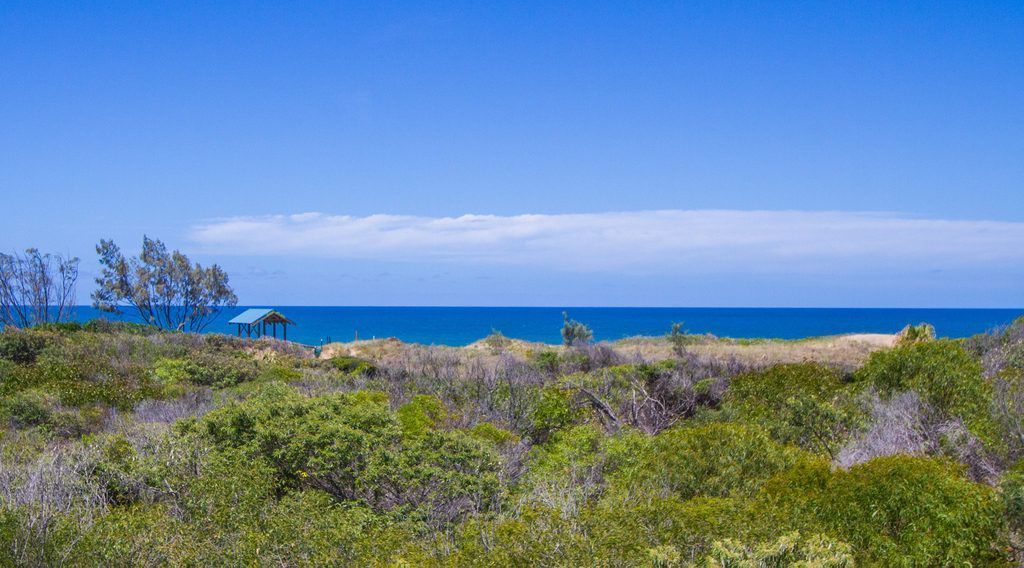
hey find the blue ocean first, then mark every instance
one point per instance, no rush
(463, 325)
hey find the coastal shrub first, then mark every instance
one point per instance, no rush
(319, 442)
(914, 511)
(793, 549)
(422, 413)
(137, 535)
(219, 370)
(566, 472)
(8, 379)
(803, 404)
(547, 361)
(1012, 487)
(713, 460)
(353, 365)
(353, 448)
(59, 327)
(897, 510)
(22, 346)
(1008, 411)
(555, 408)
(536, 536)
(625, 530)
(942, 372)
(28, 408)
(309, 528)
(492, 434)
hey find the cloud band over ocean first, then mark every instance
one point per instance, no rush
(642, 241)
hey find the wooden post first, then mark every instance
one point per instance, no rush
(285, 326)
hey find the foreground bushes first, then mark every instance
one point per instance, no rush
(129, 447)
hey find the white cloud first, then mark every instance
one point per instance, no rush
(645, 241)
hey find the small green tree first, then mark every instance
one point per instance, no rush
(165, 288)
(574, 332)
(677, 337)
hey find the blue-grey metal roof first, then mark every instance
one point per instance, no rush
(252, 315)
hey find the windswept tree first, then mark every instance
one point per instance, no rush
(165, 288)
(36, 288)
(575, 333)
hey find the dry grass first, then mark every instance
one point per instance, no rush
(842, 350)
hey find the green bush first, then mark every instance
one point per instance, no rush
(803, 404)
(913, 511)
(1012, 486)
(546, 361)
(219, 370)
(554, 409)
(493, 434)
(945, 376)
(28, 408)
(353, 448)
(625, 531)
(22, 346)
(422, 413)
(714, 460)
(353, 365)
(818, 551)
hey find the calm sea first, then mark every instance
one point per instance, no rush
(461, 325)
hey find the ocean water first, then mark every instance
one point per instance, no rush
(463, 325)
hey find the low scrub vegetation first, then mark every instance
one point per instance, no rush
(125, 445)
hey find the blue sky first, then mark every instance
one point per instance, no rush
(741, 154)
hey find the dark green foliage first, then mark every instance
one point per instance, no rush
(27, 408)
(353, 365)
(59, 327)
(22, 347)
(547, 361)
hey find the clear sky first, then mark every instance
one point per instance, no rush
(678, 154)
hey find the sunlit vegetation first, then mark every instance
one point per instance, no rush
(126, 445)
